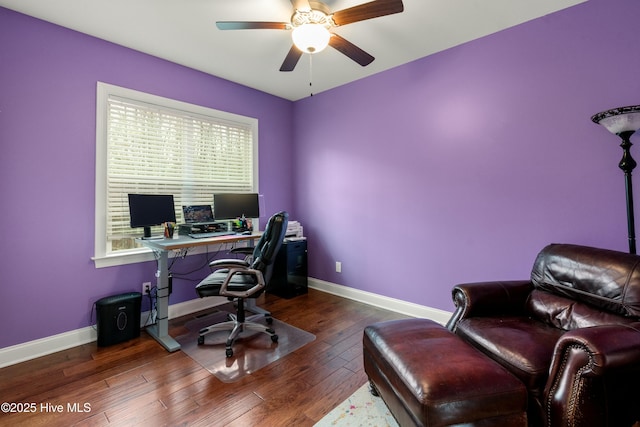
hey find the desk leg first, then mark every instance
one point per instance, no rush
(160, 331)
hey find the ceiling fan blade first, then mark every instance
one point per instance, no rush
(373, 9)
(351, 50)
(301, 4)
(240, 25)
(292, 59)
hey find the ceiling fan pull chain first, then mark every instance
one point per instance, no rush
(311, 74)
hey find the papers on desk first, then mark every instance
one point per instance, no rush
(294, 239)
(294, 231)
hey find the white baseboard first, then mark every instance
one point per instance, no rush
(47, 345)
(391, 304)
(54, 343)
(194, 305)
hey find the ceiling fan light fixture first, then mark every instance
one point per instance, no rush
(311, 38)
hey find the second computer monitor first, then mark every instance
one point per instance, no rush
(235, 205)
(147, 210)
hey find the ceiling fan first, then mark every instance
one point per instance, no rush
(311, 21)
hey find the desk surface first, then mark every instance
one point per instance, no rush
(180, 242)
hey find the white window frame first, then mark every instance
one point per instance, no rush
(101, 257)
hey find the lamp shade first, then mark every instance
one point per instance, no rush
(311, 38)
(618, 120)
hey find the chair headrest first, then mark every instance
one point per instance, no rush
(600, 277)
(267, 247)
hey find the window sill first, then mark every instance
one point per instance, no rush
(142, 255)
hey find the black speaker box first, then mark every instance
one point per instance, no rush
(118, 318)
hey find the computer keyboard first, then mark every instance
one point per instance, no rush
(211, 234)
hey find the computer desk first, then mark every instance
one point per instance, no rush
(162, 247)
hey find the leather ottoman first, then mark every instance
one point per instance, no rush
(428, 376)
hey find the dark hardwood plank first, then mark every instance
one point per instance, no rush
(139, 383)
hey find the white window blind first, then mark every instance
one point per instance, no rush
(167, 147)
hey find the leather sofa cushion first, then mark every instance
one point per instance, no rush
(441, 380)
(569, 314)
(524, 346)
(601, 278)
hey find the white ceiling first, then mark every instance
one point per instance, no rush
(184, 32)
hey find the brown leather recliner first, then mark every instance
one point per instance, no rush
(571, 334)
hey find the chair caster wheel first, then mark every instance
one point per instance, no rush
(274, 338)
(269, 320)
(229, 352)
(200, 340)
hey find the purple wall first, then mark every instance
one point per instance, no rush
(456, 167)
(48, 78)
(461, 166)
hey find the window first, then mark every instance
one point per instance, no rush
(153, 145)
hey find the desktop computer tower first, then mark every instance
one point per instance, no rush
(289, 278)
(118, 318)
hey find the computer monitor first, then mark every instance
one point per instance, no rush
(235, 205)
(147, 210)
(194, 214)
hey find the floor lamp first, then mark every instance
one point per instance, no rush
(624, 122)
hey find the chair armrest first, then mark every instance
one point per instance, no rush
(246, 250)
(576, 388)
(609, 347)
(488, 298)
(224, 289)
(228, 263)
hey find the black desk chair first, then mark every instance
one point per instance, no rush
(239, 279)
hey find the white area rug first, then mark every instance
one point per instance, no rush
(360, 409)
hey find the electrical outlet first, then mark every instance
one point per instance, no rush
(338, 267)
(146, 288)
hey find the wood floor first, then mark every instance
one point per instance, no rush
(139, 383)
